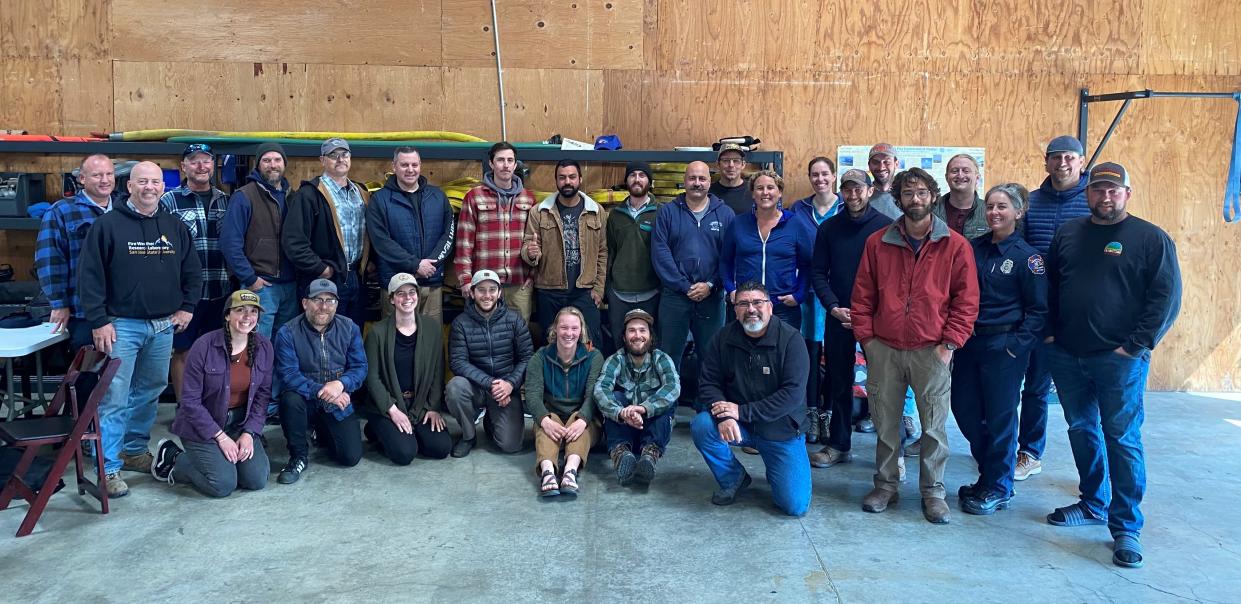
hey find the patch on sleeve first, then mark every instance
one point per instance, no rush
(1035, 263)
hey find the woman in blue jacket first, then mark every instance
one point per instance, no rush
(223, 407)
(770, 245)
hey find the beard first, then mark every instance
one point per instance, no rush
(753, 324)
(568, 191)
(639, 190)
(1105, 215)
(637, 349)
(917, 213)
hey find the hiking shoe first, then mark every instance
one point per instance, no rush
(813, 426)
(900, 469)
(985, 504)
(116, 486)
(166, 454)
(137, 463)
(865, 425)
(727, 496)
(825, 426)
(644, 472)
(878, 500)
(292, 471)
(935, 510)
(828, 457)
(907, 423)
(463, 447)
(624, 461)
(1027, 466)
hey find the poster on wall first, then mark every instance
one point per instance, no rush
(932, 159)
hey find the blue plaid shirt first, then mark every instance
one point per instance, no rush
(204, 226)
(61, 235)
(351, 212)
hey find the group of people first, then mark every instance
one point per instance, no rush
(955, 300)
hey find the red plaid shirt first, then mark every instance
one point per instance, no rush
(489, 235)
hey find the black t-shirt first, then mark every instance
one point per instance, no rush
(204, 197)
(406, 346)
(738, 198)
(570, 216)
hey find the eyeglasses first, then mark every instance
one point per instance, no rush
(748, 304)
(338, 155)
(920, 194)
(328, 302)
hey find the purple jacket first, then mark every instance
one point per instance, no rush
(205, 389)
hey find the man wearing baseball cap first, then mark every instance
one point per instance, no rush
(489, 347)
(637, 394)
(883, 165)
(1061, 197)
(632, 282)
(321, 363)
(324, 235)
(732, 186)
(1115, 289)
(201, 207)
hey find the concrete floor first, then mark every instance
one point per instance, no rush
(472, 530)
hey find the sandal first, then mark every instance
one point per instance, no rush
(1127, 552)
(568, 483)
(548, 487)
(1074, 515)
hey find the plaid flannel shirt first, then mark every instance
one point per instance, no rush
(204, 226)
(351, 212)
(489, 235)
(655, 385)
(59, 244)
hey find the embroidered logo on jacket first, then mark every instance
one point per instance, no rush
(1036, 265)
(159, 247)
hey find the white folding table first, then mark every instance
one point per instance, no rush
(17, 343)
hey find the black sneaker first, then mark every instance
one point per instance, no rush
(728, 496)
(292, 471)
(985, 504)
(865, 425)
(166, 453)
(966, 491)
(463, 447)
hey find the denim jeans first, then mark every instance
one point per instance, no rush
(1032, 435)
(682, 316)
(788, 466)
(128, 409)
(654, 431)
(1102, 398)
(280, 305)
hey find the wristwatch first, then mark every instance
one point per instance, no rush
(950, 346)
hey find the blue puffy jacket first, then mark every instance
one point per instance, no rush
(307, 359)
(1049, 208)
(685, 251)
(402, 234)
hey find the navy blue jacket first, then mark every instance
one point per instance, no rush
(307, 359)
(838, 248)
(685, 252)
(1049, 208)
(1012, 287)
(402, 234)
(782, 263)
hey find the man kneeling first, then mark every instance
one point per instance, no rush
(637, 394)
(752, 389)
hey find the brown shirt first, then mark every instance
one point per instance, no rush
(239, 380)
(956, 217)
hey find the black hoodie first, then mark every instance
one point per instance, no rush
(138, 267)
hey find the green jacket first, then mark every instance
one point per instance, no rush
(629, 248)
(975, 223)
(381, 382)
(553, 387)
(655, 385)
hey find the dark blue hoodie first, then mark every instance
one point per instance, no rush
(782, 263)
(685, 251)
(1049, 208)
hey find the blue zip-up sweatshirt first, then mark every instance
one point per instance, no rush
(685, 251)
(233, 233)
(402, 234)
(1049, 208)
(782, 263)
(813, 315)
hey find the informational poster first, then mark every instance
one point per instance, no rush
(932, 159)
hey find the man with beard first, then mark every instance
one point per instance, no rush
(732, 187)
(883, 164)
(321, 362)
(632, 282)
(1115, 289)
(1061, 197)
(637, 393)
(250, 239)
(961, 207)
(490, 228)
(201, 207)
(565, 248)
(139, 281)
(685, 251)
(914, 302)
(61, 235)
(488, 349)
(410, 224)
(752, 393)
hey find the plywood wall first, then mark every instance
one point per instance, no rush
(804, 75)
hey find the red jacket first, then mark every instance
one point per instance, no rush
(913, 302)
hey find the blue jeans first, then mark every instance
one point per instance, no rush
(128, 409)
(682, 316)
(788, 466)
(1102, 398)
(1032, 435)
(280, 305)
(986, 385)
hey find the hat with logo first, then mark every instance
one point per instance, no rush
(1110, 172)
(855, 176)
(333, 144)
(882, 149)
(243, 297)
(484, 275)
(321, 286)
(734, 147)
(1066, 143)
(197, 148)
(400, 279)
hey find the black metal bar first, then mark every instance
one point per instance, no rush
(1196, 95)
(1083, 115)
(1108, 135)
(1117, 96)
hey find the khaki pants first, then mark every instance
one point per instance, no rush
(546, 449)
(430, 303)
(889, 372)
(519, 297)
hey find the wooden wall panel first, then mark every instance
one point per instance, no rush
(711, 34)
(378, 32)
(30, 95)
(564, 34)
(55, 29)
(1197, 37)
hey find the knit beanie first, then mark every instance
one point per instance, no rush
(637, 166)
(268, 147)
